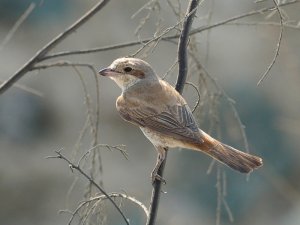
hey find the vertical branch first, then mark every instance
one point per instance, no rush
(156, 194)
(182, 47)
(182, 74)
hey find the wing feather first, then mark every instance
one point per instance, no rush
(176, 121)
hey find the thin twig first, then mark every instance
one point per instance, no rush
(159, 37)
(182, 59)
(219, 197)
(286, 24)
(100, 198)
(53, 43)
(198, 93)
(120, 148)
(28, 89)
(17, 24)
(166, 38)
(171, 68)
(59, 64)
(278, 45)
(77, 167)
(132, 199)
(229, 100)
(41, 54)
(97, 120)
(150, 6)
(176, 10)
(141, 9)
(238, 17)
(93, 121)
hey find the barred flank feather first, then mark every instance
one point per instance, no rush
(237, 160)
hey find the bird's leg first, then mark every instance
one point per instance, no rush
(160, 158)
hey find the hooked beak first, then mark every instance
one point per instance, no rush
(107, 72)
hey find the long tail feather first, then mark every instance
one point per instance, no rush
(237, 160)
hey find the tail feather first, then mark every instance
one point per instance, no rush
(237, 160)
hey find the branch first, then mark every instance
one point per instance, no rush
(41, 54)
(28, 89)
(98, 199)
(61, 64)
(77, 167)
(182, 59)
(129, 198)
(48, 47)
(17, 24)
(278, 45)
(166, 38)
(182, 47)
(198, 95)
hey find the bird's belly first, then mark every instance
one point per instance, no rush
(158, 139)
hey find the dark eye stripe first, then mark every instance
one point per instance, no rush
(138, 73)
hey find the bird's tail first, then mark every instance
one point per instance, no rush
(237, 160)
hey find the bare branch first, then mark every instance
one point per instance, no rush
(286, 24)
(120, 148)
(278, 45)
(28, 89)
(99, 199)
(182, 59)
(16, 26)
(77, 167)
(48, 47)
(157, 38)
(93, 121)
(198, 93)
(166, 38)
(41, 54)
(229, 100)
(132, 199)
(59, 64)
(221, 187)
(182, 47)
(171, 68)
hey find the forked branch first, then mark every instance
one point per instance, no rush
(78, 168)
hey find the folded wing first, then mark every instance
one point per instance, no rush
(175, 121)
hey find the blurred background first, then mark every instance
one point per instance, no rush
(33, 189)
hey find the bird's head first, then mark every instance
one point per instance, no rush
(129, 71)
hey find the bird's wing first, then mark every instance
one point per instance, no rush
(175, 121)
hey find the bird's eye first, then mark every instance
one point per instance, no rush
(127, 69)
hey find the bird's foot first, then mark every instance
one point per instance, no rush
(155, 177)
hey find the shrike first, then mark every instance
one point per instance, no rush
(164, 116)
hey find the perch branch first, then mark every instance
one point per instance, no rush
(182, 59)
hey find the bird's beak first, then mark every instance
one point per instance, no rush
(106, 72)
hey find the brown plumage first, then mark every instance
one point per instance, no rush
(164, 116)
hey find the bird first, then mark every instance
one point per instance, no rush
(165, 118)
